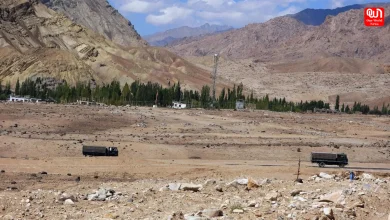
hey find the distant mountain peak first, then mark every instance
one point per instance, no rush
(169, 36)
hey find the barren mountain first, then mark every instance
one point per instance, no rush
(35, 41)
(286, 39)
(101, 17)
(167, 37)
(318, 16)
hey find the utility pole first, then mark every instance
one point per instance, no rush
(216, 57)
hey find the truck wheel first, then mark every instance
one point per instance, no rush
(322, 164)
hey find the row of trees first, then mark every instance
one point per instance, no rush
(138, 93)
(364, 109)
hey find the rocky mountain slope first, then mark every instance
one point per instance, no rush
(35, 41)
(169, 36)
(286, 39)
(101, 17)
(318, 16)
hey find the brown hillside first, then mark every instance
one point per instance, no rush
(328, 64)
(35, 41)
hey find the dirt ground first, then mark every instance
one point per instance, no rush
(161, 146)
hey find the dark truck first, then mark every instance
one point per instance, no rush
(323, 159)
(100, 151)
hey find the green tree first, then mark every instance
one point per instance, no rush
(342, 108)
(347, 109)
(17, 88)
(205, 96)
(337, 106)
(126, 93)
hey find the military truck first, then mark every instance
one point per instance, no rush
(100, 151)
(323, 159)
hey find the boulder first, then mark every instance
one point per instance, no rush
(65, 196)
(366, 176)
(238, 211)
(93, 197)
(68, 202)
(335, 197)
(218, 188)
(296, 192)
(102, 191)
(252, 184)
(329, 213)
(190, 187)
(265, 181)
(211, 213)
(238, 182)
(174, 186)
(252, 203)
(210, 182)
(326, 176)
(271, 196)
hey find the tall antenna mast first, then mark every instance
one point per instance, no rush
(216, 57)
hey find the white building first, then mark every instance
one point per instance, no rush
(22, 99)
(179, 105)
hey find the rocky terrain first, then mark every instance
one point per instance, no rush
(101, 17)
(287, 39)
(316, 17)
(189, 164)
(177, 34)
(284, 57)
(35, 41)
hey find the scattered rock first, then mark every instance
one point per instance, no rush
(190, 187)
(265, 181)
(366, 176)
(299, 180)
(238, 211)
(174, 186)
(210, 182)
(335, 197)
(296, 192)
(43, 173)
(271, 196)
(66, 196)
(218, 188)
(325, 175)
(211, 213)
(252, 184)
(2, 171)
(68, 202)
(8, 217)
(328, 212)
(252, 203)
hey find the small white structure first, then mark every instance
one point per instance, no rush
(23, 99)
(179, 105)
(240, 104)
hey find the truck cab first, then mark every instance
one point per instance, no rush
(112, 151)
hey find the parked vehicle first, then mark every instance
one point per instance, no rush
(323, 159)
(100, 151)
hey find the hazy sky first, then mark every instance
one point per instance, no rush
(150, 16)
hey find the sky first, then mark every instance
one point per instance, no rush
(151, 16)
